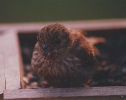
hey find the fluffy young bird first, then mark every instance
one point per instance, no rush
(62, 57)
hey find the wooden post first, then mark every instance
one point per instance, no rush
(2, 70)
(12, 72)
(2, 78)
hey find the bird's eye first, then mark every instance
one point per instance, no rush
(45, 47)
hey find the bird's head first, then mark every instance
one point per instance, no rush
(53, 40)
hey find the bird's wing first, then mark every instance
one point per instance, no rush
(36, 57)
(84, 51)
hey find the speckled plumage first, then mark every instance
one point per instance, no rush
(63, 57)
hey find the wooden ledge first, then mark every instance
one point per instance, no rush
(113, 93)
(86, 25)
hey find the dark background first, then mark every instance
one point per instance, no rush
(60, 10)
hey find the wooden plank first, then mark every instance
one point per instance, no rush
(20, 62)
(76, 98)
(94, 93)
(86, 25)
(12, 72)
(2, 66)
(2, 78)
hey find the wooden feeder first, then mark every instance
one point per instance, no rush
(11, 66)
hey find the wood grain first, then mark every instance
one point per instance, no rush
(10, 50)
(2, 78)
(76, 98)
(2, 74)
(94, 93)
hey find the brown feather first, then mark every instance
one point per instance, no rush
(63, 57)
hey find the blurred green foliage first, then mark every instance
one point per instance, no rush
(60, 10)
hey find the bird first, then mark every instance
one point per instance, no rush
(62, 57)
